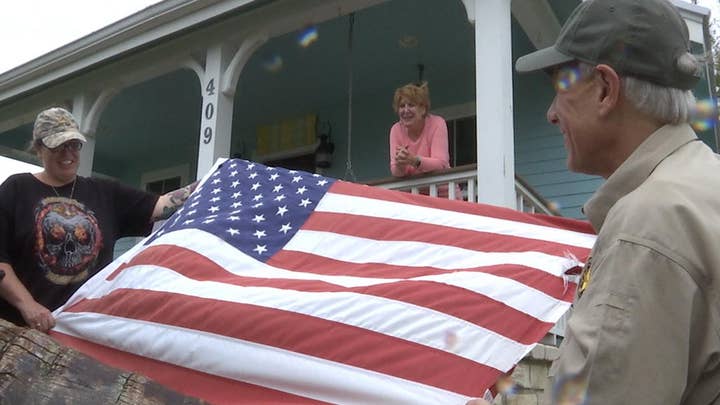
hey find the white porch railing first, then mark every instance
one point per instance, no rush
(466, 177)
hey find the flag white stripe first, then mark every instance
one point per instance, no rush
(424, 326)
(354, 249)
(348, 204)
(250, 362)
(513, 293)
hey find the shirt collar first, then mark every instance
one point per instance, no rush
(636, 169)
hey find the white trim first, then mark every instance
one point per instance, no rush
(181, 171)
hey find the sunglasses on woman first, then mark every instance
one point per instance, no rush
(72, 146)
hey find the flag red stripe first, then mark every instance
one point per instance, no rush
(400, 230)
(309, 263)
(342, 187)
(455, 301)
(299, 333)
(211, 388)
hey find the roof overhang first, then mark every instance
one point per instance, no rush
(152, 24)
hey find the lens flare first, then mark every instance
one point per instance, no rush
(451, 340)
(506, 385)
(308, 36)
(705, 114)
(570, 390)
(566, 76)
(554, 205)
(273, 64)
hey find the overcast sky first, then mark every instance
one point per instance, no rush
(32, 28)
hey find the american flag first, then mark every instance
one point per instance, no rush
(277, 286)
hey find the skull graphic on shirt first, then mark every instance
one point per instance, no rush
(68, 239)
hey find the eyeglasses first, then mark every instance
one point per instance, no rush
(72, 146)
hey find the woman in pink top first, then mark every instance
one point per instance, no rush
(419, 140)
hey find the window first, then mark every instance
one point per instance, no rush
(462, 139)
(462, 142)
(163, 186)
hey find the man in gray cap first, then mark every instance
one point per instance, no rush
(645, 327)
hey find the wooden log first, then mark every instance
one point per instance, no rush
(35, 369)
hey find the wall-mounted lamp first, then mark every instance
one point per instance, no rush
(324, 151)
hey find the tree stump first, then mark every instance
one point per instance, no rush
(35, 369)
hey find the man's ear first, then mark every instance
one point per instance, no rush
(609, 84)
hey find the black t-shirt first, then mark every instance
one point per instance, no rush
(55, 244)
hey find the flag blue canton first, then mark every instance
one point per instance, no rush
(253, 207)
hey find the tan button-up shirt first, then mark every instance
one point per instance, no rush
(646, 328)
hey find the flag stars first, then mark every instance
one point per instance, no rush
(235, 184)
(195, 204)
(301, 190)
(216, 191)
(282, 210)
(236, 204)
(258, 197)
(251, 166)
(233, 218)
(258, 205)
(259, 234)
(260, 249)
(297, 179)
(274, 176)
(285, 228)
(237, 195)
(188, 221)
(322, 182)
(280, 197)
(255, 186)
(191, 212)
(216, 181)
(232, 231)
(208, 221)
(304, 202)
(233, 173)
(214, 208)
(215, 199)
(259, 218)
(277, 188)
(252, 175)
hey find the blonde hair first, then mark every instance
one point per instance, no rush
(416, 93)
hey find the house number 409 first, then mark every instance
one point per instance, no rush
(209, 112)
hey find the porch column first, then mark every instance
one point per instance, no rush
(217, 109)
(494, 100)
(87, 109)
(80, 108)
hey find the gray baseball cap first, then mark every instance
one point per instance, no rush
(56, 126)
(647, 39)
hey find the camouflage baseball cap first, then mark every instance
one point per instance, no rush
(647, 39)
(56, 126)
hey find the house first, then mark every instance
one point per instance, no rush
(163, 93)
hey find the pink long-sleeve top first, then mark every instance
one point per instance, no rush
(431, 146)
